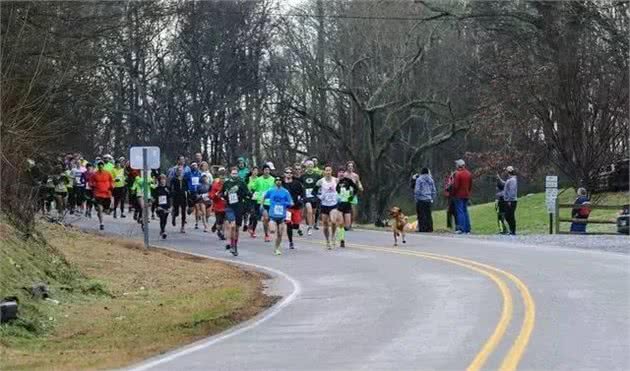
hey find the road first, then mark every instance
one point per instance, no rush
(435, 303)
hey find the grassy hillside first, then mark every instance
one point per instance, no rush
(532, 216)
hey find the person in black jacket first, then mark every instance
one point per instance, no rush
(294, 215)
(162, 201)
(347, 190)
(179, 190)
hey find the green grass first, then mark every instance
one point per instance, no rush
(532, 216)
(118, 303)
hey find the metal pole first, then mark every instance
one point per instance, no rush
(550, 223)
(145, 186)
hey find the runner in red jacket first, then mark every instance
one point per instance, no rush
(218, 204)
(102, 185)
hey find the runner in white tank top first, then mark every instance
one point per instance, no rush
(328, 195)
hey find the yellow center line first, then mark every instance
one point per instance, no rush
(507, 310)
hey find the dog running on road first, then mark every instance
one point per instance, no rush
(399, 225)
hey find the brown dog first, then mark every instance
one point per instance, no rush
(399, 224)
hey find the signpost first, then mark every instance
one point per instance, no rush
(551, 197)
(145, 158)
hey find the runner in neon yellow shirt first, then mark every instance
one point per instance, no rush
(120, 188)
(261, 185)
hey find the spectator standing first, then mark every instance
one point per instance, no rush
(510, 196)
(424, 194)
(580, 211)
(450, 201)
(500, 206)
(462, 189)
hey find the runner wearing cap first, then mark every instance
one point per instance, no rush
(279, 200)
(179, 189)
(235, 193)
(120, 188)
(294, 213)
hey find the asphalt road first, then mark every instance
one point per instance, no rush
(437, 303)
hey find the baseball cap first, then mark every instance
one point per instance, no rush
(270, 165)
(460, 163)
(509, 169)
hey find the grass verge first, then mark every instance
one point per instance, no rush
(118, 303)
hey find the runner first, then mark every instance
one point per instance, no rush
(120, 188)
(357, 181)
(69, 199)
(311, 201)
(236, 194)
(328, 196)
(243, 173)
(252, 203)
(218, 204)
(260, 187)
(61, 190)
(109, 164)
(205, 170)
(193, 178)
(298, 170)
(202, 201)
(346, 189)
(294, 214)
(138, 190)
(279, 200)
(131, 178)
(163, 200)
(181, 163)
(179, 190)
(78, 190)
(102, 185)
(89, 192)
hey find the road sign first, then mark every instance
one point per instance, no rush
(551, 181)
(153, 157)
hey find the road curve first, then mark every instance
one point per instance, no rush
(436, 303)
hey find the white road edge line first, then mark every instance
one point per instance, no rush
(297, 289)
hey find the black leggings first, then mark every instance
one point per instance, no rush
(163, 219)
(179, 207)
(75, 197)
(119, 198)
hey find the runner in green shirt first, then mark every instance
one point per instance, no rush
(252, 204)
(120, 188)
(235, 194)
(261, 185)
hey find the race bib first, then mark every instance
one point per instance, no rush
(205, 197)
(162, 200)
(232, 198)
(330, 198)
(195, 180)
(278, 210)
(256, 195)
(309, 192)
(288, 217)
(77, 180)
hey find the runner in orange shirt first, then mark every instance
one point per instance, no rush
(102, 185)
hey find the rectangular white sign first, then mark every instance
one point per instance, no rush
(551, 181)
(153, 157)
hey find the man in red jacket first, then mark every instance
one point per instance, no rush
(102, 185)
(462, 189)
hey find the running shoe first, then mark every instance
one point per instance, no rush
(309, 231)
(214, 228)
(228, 246)
(174, 222)
(234, 251)
(115, 215)
(328, 245)
(196, 226)
(334, 244)
(182, 230)
(291, 246)
(102, 227)
(299, 232)
(221, 236)
(315, 227)
(267, 238)
(342, 243)
(163, 236)
(123, 215)
(152, 216)
(277, 252)
(252, 233)
(244, 228)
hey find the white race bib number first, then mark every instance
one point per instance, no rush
(330, 198)
(205, 197)
(278, 209)
(256, 195)
(78, 179)
(162, 200)
(195, 180)
(232, 198)
(288, 217)
(309, 192)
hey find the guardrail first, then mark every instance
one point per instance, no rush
(558, 219)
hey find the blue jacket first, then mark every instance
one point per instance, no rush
(425, 188)
(193, 178)
(280, 199)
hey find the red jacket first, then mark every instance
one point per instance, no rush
(218, 203)
(462, 184)
(102, 184)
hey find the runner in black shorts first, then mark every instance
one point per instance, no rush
(311, 202)
(235, 193)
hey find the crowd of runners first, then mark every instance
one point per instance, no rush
(240, 198)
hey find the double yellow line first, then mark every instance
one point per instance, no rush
(498, 277)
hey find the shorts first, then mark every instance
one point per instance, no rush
(61, 194)
(327, 209)
(219, 217)
(345, 207)
(105, 202)
(234, 215)
(296, 216)
(314, 201)
(278, 221)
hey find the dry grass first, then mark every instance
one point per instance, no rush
(141, 303)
